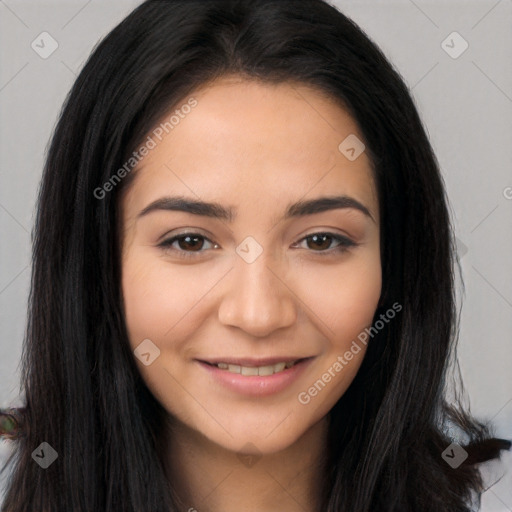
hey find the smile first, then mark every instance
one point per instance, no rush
(255, 377)
(261, 371)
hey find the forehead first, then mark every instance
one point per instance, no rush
(246, 140)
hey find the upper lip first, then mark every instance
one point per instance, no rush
(251, 362)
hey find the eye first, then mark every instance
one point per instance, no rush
(323, 241)
(188, 244)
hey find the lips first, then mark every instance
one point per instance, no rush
(253, 377)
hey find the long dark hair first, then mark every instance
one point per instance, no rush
(83, 393)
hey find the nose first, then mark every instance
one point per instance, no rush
(257, 298)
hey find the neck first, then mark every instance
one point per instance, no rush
(209, 478)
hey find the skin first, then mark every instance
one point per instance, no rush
(258, 148)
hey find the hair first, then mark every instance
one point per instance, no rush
(82, 391)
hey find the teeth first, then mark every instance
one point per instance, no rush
(265, 370)
(247, 370)
(279, 367)
(255, 370)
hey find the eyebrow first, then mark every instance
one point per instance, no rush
(217, 211)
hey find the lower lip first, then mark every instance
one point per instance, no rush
(254, 385)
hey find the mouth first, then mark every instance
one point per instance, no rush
(255, 377)
(251, 369)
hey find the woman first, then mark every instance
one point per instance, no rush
(189, 348)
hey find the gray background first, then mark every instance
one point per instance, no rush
(466, 105)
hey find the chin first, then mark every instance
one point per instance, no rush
(253, 438)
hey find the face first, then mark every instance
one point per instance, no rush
(240, 315)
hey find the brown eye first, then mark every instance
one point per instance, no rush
(189, 242)
(185, 244)
(321, 243)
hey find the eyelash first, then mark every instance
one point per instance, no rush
(344, 245)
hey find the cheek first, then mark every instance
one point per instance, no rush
(343, 297)
(162, 301)
(157, 306)
(151, 300)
